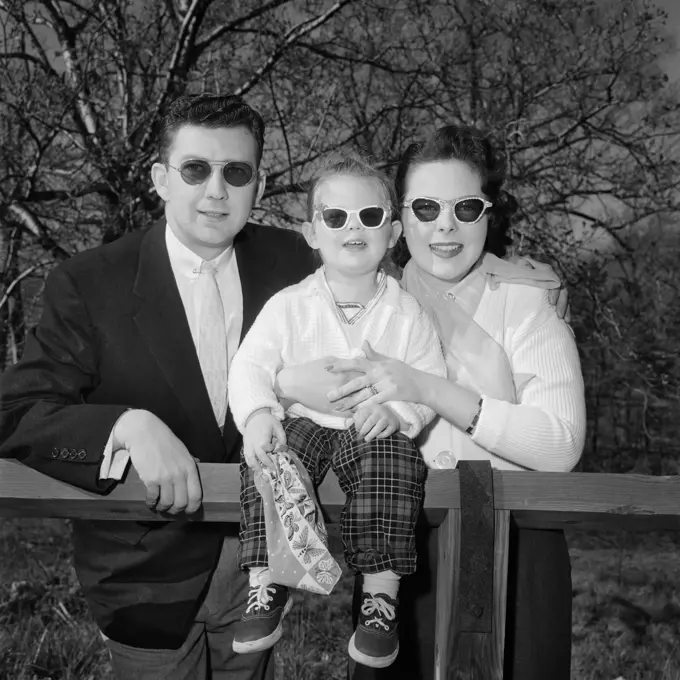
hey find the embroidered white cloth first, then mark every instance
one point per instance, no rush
(212, 342)
(297, 542)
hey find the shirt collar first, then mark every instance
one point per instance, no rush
(185, 262)
(318, 285)
(321, 282)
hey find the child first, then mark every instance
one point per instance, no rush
(345, 303)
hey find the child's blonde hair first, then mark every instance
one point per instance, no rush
(350, 163)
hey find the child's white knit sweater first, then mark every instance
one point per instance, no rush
(302, 323)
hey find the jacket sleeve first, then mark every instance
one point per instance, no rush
(45, 420)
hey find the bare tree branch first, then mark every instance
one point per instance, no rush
(303, 28)
(26, 57)
(33, 226)
(284, 131)
(18, 280)
(87, 117)
(46, 195)
(116, 19)
(230, 26)
(350, 58)
(186, 37)
(21, 19)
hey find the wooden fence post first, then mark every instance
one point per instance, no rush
(471, 581)
(446, 615)
(500, 587)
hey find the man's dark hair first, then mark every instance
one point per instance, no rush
(211, 111)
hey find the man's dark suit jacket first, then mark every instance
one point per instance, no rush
(113, 336)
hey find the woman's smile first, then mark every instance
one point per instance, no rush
(446, 249)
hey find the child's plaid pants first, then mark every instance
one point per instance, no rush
(383, 481)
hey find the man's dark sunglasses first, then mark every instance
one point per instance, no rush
(235, 173)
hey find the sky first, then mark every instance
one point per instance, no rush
(672, 64)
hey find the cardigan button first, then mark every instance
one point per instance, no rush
(445, 460)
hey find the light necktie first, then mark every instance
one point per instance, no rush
(212, 341)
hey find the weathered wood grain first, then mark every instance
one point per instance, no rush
(476, 546)
(476, 635)
(27, 493)
(557, 492)
(448, 574)
(500, 589)
(536, 499)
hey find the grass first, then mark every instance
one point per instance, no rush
(626, 612)
(626, 606)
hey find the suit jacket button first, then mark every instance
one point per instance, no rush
(82, 454)
(55, 453)
(72, 454)
(63, 453)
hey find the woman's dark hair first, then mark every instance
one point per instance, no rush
(211, 111)
(471, 146)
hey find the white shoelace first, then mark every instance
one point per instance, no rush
(259, 597)
(382, 608)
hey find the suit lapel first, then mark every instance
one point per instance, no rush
(162, 321)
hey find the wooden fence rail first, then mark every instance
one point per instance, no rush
(470, 508)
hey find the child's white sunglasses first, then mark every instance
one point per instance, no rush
(370, 216)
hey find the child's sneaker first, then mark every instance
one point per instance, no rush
(261, 625)
(375, 642)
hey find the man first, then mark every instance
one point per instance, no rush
(128, 365)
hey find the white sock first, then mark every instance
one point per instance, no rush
(386, 582)
(259, 576)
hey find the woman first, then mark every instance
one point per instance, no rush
(514, 393)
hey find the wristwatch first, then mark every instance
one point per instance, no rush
(471, 427)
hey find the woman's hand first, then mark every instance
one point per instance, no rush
(308, 384)
(557, 297)
(383, 379)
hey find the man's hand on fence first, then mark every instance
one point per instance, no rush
(161, 460)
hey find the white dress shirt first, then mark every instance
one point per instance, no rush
(186, 267)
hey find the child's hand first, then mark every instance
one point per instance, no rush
(375, 421)
(262, 429)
